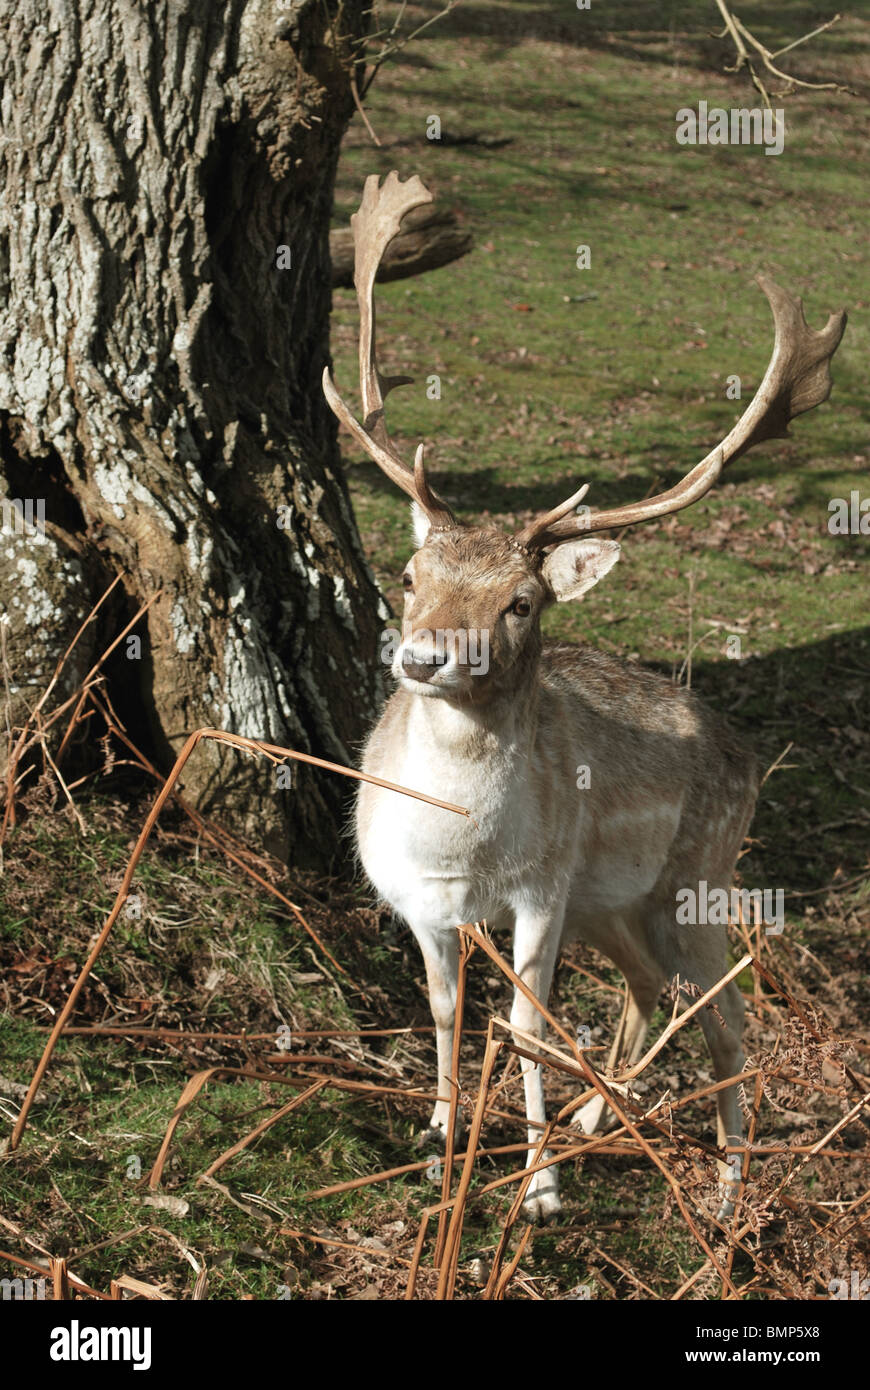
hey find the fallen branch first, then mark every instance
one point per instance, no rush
(429, 237)
(740, 36)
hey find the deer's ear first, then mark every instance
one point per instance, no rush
(421, 523)
(574, 567)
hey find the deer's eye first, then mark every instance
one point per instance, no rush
(522, 608)
(407, 583)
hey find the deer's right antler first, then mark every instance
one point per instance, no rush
(374, 226)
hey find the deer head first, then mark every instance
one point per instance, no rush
(474, 596)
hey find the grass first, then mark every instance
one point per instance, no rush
(549, 375)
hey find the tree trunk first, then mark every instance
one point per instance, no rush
(167, 177)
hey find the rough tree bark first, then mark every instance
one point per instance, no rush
(167, 175)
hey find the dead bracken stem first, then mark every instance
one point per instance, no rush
(273, 751)
(668, 1148)
(770, 1178)
(466, 950)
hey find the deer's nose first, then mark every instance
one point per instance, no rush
(422, 665)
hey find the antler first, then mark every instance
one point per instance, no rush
(797, 379)
(374, 226)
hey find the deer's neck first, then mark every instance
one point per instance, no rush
(503, 727)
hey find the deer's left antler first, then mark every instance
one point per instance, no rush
(798, 378)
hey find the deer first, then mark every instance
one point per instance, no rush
(671, 788)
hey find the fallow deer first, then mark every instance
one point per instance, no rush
(671, 788)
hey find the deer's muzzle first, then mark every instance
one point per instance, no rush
(422, 665)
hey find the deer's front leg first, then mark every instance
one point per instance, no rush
(440, 947)
(536, 944)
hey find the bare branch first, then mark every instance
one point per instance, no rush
(738, 32)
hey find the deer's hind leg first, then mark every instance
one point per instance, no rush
(644, 980)
(700, 957)
(723, 1030)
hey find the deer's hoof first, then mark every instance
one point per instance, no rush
(542, 1207)
(596, 1116)
(588, 1118)
(729, 1187)
(434, 1137)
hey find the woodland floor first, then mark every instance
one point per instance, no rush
(556, 132)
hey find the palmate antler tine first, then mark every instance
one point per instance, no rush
(374, 226)
(797, 379)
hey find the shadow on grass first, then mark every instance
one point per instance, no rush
(673, 32)
(481, 497)
(813, 815)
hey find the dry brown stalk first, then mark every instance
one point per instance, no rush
(494, 1281)
(466, 950)
(602, 984)
(199, 1079)
(262, 1127)
(185, 1035)
(677, 1022)
(417, 1255)
(220, 736)
(835, 1129)
(316, 1059)
(141, 1289)
(475, 934)
(744, 1169)
(450, 1259)
(59, 1278)
(79, 1287)
(79, 1254)
(27, 737)
(341, 1245)
(24, 1264)
(369, 1179)
(511, 1270)
(629, 1274)
(563, 1062)
(188, 1095)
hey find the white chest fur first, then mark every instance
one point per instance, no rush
(431, 862)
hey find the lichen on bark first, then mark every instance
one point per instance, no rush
(160, 370)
